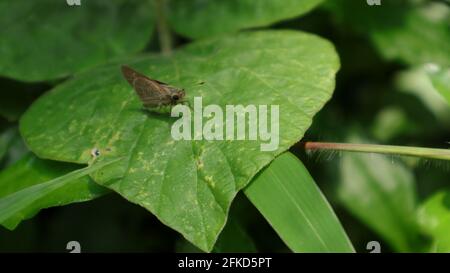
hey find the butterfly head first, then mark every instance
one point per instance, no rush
(177, 95)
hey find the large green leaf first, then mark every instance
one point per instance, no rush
(434, 219)
(188, 185)
(412, 33)
(47, 39)
(287, 196)
(381, 194)
(203, 18)
(24, 183)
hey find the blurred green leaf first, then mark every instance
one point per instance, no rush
(24, 189)
(12, 147)
(188, 185)
(16, 150)
(412, 33)
(203, 18)
(6, 140)
(434, 219)
(381, 194)
(287, 196)
(392, 121)
(47, 39)
(440, 78)
(418, 81)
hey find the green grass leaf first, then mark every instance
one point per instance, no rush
(434, 220)
(188, 185)
(47, 39)
(32, 184)
(382, 195)
(287, 196)
(204, 18)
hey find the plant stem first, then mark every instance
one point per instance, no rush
(164, 33)
(443, 154)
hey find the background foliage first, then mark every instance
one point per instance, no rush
(393, 87)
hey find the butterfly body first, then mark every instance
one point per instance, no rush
(152, 93)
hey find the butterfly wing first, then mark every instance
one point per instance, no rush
(151, 92)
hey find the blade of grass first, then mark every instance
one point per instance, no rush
(16, 202)
(30, 171)
(289, 199)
